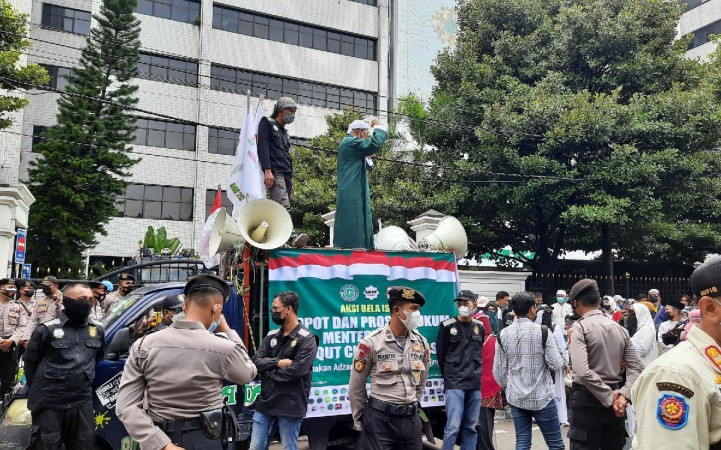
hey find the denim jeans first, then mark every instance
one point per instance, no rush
(462, 410)
(264, 427)
(547, 420)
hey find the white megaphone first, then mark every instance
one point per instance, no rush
(265, 224)
(449, 236)
(394, 238)
(225, 234)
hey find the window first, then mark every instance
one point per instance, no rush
(273, 87)
(159, 133)
(57, 76)
(155, 67)
(280, 30)
(187, 11)
(222, 142)
(702, 35)
(66, 19)
(210, 198)
(367, 2)
(37, 131)
(144, 201)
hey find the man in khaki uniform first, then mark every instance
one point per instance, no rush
(396, 357)
(677, 399)
(12, 326)
(27, 297)
(46, 308)
(179, 372)
(126, 283)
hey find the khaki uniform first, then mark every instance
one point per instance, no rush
(28, 308)
(179, 372)
(12, 321)
(677, 399)
(398, 374)
(112, 299)
(46, 309)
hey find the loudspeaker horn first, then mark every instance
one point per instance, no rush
(265, 224)
(449, 236)
(394, 238)
(225, 234)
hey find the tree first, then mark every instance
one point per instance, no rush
(85, 156)
(13, 26)
(594, 104)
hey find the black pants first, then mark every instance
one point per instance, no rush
(485, 429)
(593, 426)
(69, 429)
(386, 432)
(8, 371)
(195, 440)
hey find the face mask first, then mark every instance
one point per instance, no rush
(215, 324)
(76, 310)
(100, 298)
(289, 119)
(276, 318)
(561, 299)
(412, 320)
(29, 293)
(177, 317)
(127, 289)
(464, 311)
(9, 293)
(47, 290)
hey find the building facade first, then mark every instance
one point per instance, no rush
(198, 59)
(702, 18)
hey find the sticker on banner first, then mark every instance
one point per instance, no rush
(349, 293)
(371, 292)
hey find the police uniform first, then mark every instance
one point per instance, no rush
(60, 364)
(173, 376)
(114, 297)
(398, 371)
(46, 308)
(598, 346)
(12, 326)
(677, 398)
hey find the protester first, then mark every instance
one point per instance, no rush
(522, 366)
(669, 332)
(459, 346)
(353, 217)
(598, 348)
(654, 296)
(676, 399)
(645, 343)
(163, 401)
(481, 304)
(538, 296)
(503, 310)
(491, 398)
(285, 363)
(561, 308)
(12, 327)
(694, 319)
(397, 358)
(491, 311)
(60, 364)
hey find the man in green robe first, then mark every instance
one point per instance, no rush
(353, 219)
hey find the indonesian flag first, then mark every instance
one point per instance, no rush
(210, 260)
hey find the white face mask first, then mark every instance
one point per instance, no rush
(465, 311)
(412, 320)
(179, 316)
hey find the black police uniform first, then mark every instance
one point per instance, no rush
(459, 349)
(284, 391)
(60, 366)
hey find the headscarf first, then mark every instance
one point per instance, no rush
(645, 337)
(694, 319)
(358, 125)
(493, 317)
(489, 386)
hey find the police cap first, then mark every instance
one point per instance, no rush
(207, 281)
(583, 287)
(405, 294)
(24, 283)
(4, 281)
(706, 279)
(126, 277)
(466, 295)
(171, 302)
(49, 280)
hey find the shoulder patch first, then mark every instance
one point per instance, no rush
(450, 321)
(271, 332)
(303, 332)
(677, 388)
(672, 412)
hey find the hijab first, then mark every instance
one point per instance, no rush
(645, 335)
(493, 317)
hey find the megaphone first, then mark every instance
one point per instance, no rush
(450, 235)
(265, 224)
(394, 238)
(225, 233)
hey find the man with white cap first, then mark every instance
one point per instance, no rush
(353, 219)
(561, 309)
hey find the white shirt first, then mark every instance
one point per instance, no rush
(560, 311)
(662, 329)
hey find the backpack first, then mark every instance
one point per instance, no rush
(544, 338)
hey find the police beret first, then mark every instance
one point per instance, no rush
(466, 295)
(405, 294)
(583, 287)
(23, 283)
(171, 302)
(126, 277)
(207, 281)
(706, 279)
(49, 280)
(5, 281)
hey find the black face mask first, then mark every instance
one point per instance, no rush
(47, 290)
(100, 298)
(75, 310)
(29, 293)
(275, 316)
(127, 289)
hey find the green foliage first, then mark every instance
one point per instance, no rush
(85, 156)
(13, 26)
(158, 240)
(599, 95)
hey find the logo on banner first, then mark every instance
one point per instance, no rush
(349, 293)
(371, 292)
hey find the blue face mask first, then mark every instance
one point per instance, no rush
(213, 326)
(289, 119)
(561, 299)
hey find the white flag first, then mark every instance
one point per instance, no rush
(247, 182)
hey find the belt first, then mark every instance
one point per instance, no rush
(582, 387)
(393, 409)
(168, 426)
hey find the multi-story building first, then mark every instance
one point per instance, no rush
(702, 18)
(198, 59)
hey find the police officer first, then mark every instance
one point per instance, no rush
(396, 357)
(459, 348)
(100, 292)
(60, 366)
(27, 303)
(598, 347)
(126, 283)
(284, 361)
(677, 398)
(171, 306)
(12, 326)
(46, 308)
(170, 391)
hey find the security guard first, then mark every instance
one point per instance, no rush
(598, 347)
(170, 391)
(396, 357)
(459, 347)
(12, 326)
(46, 308)
(677, 398)
(60, 366)
(126, 283)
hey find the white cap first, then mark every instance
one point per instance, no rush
(482, 302)
(618, 298)
(653, 291)
(358, 125)
(560, 293)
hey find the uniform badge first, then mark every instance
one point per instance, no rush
(293, 343)
(387, 367)
(454, 331)
(359, 365)
(672, 412)
(275, 127)
(418, 365)
(409, 294)
(417, 375)
(363, 350)
(477, 329)
(58, 333)
(416, 347)
(273, 342)
(677, 388)
(714, 355)
(717, 380)
(92, 331)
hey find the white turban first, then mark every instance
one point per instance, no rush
(358, 125)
